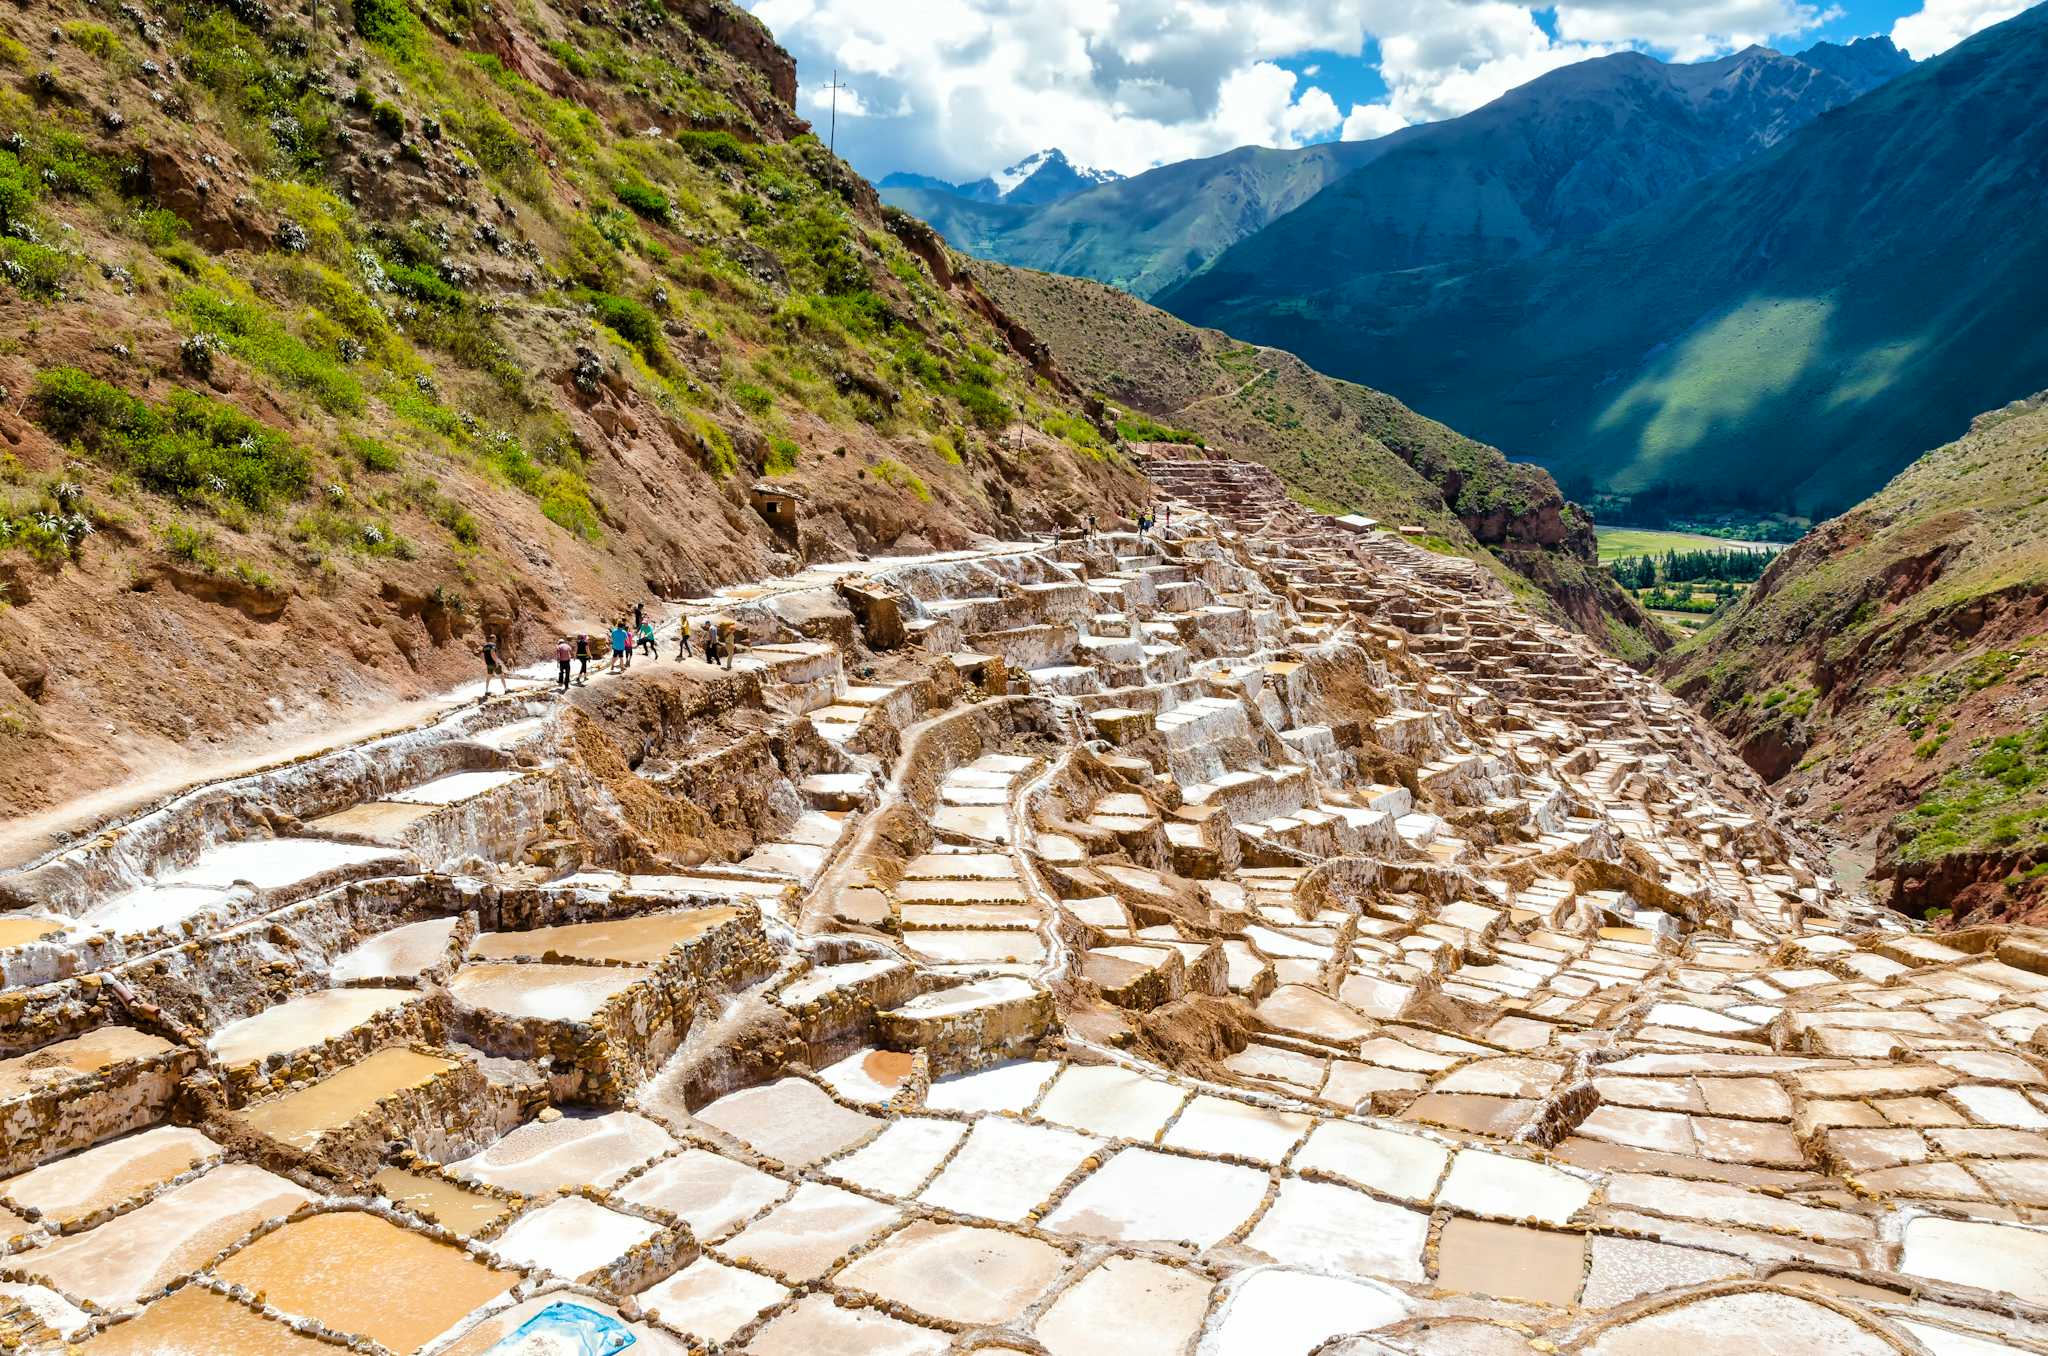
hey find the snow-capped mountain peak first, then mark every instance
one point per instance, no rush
(1042, 177)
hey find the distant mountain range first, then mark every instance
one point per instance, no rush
(1563, 155)
(1787, 332)
(1144, 233)
(1036, 180)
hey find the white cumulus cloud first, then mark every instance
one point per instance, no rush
(1941, 24)
(958, 88)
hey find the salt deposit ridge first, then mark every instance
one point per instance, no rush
(1261, 939)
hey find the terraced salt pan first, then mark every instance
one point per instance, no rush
(108, 1175)
(544, 1156)
(1968, 1252)
(1729, 1325)
(1509, 1261)
(815, 1325)
(1277, 1312)
(790, 1120)
(148, 908)
(1407, 1167)
(1626, 1268)
(1126, 1307)
(273, 863)
(1140, 1195)
(306, 1021)
(403, 953)
(709, 1193)
(459, 787)
(711, 1300)
(452, 1207)
(301, 1117)
(358, 1273)
(380, 821)
(1319, 1224)
(958, 1273)
(804, 1237)
(1007, 1168)
(194, 1321)
(571, 1237)
(897, 1161)
(173, 1235)
(558, 993)
(20, 930)
(873, 1077)
(1217, 1125)
(1492, 1184)
(643, 939)
(1106, 1100)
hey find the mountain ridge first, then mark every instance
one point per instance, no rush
(1887, 246)
(1150, 232)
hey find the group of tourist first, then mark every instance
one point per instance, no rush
(1147, 520)
(720, 643)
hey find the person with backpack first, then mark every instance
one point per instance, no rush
(562, 653)
(582, 659)
(493, 668)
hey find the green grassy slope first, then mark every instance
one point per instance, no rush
(385, 325)
(1787, 332)
(1340, 447)
(1884, 658)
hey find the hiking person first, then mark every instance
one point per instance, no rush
(582, 659)
(618, 647)
(493, 668)
(728, 638)
(647, 641)
(1091, 527)
(562, 653)
(639, 615)
(1143, 523)
(682, 640)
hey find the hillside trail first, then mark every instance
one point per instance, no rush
(1259, 376)
(25, 838)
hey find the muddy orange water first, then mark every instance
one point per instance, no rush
(628, 941)
(196, 1322)
(359, 1273)
(442, 1201)
(22, 931)
(301, 1118)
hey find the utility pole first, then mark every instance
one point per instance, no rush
(832, 144)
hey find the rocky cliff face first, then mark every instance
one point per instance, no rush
(1888, 671)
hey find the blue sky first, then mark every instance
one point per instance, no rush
(958, 88)
(1355, 79)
